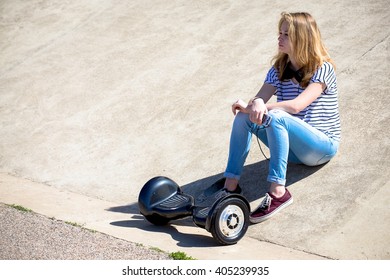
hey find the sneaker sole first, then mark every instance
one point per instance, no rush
(266, 217)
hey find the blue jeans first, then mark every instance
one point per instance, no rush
(288, 138)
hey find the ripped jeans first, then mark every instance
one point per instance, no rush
(288, 138)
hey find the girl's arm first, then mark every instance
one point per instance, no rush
(257, 107)
(265, 93)
(310, 94)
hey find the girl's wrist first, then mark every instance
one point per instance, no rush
(254, 99)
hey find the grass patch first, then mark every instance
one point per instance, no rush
(80, 226)
(20, 208)
(180, 256)
(73, 224)
(157, 250)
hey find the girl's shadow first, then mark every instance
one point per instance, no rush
(254, 179)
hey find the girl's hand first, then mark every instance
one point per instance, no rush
(241, 106)
(257, 111)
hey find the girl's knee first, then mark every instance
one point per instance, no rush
(278, 117)
(242, 123)
(277, 114)
(241, 119)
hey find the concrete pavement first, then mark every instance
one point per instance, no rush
(96, 97)
(126, 223)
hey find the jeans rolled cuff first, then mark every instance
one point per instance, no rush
(231, 175)
(274, 179)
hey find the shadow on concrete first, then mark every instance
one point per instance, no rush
(183, 239)
(127, 209)
(254, 179)
(253, 183)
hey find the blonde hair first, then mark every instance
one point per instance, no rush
(308, 50)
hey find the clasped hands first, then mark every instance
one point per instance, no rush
(255, 108)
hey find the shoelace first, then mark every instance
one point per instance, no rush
(266, 203)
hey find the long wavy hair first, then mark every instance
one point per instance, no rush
(306, 44)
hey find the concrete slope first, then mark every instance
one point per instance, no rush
(96, 97)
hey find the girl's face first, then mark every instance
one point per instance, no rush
(284, 42)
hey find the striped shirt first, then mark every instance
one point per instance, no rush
(323, 113)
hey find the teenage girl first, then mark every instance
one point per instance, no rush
(305, 124)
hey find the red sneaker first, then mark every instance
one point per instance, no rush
(270, 206)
